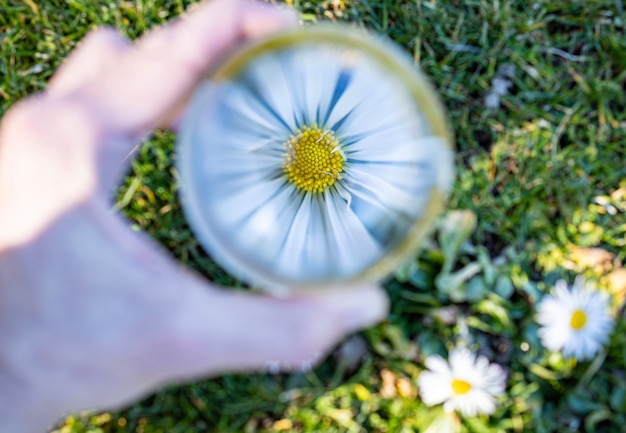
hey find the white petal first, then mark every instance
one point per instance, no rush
(451, 405)
(235, 170)
(294, 255)
(437, 364)
(317, 71)
(246, 112)
(481, 402)
(320, 261)
(556, 336)
(256, 228)
(236, 205)
(352, 89)
(406, 148)
(268, 81)
(413, 178)
(376, 218)
(395, 200)
(374, 103)
(462, 363)
(353, 246)
(433, 388)
(466, 406)
(235, 109)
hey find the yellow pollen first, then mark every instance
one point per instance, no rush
(460, 387)
(578, 320)
(314, 160)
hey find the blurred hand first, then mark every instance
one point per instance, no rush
(92, 314)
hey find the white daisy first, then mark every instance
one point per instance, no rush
(576, 321)
(313, 157)
(468, 383)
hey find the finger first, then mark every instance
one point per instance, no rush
(243, 332)
(96, 54)
(153, 322)
(152, 79)
(203, 330)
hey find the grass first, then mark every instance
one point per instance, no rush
(544, 174)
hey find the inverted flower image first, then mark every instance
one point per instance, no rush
(311, 162)
(575, 321)
(467, 383)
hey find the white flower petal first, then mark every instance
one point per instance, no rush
(403, 176)
(397, 201)
(482, 402)
(438, 365)
(259, 230)
(244, 111)
(466, 406)
(405, 149)
(305, 253)
(348, 235)
(432, 389)
(355, 96)
(321, 69)
(318, 253)
(268, 81)
(486, 381)
(461, 360)
(383, 106)
(293, 255)
(377, 218)
(554, 314)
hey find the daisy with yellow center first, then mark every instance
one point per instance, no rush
(467, 383)
(310, 160)
(575, 321)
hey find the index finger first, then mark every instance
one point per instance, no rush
(152, 80)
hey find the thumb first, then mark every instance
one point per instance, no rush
(225, 331)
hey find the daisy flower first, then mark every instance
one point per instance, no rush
(576, 321)
(467, 383)
(314, 157)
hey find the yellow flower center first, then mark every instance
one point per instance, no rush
(460, 387)
(578, 320)
(314, 159)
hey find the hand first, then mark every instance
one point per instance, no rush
(92, 314)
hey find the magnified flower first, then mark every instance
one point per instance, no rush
(311, 159)
(576, 321)
(468, 383)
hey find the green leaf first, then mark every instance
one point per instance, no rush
(476, 289)
(596, 417)
(504, 287)
(430, 344)
(495, 310)
(453, 285)
(582, 402)
(618, 398)
(456, 228)
(445, 423)
(543, 372)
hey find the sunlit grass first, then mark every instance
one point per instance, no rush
(543, 171)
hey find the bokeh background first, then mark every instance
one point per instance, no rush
(536, 97)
